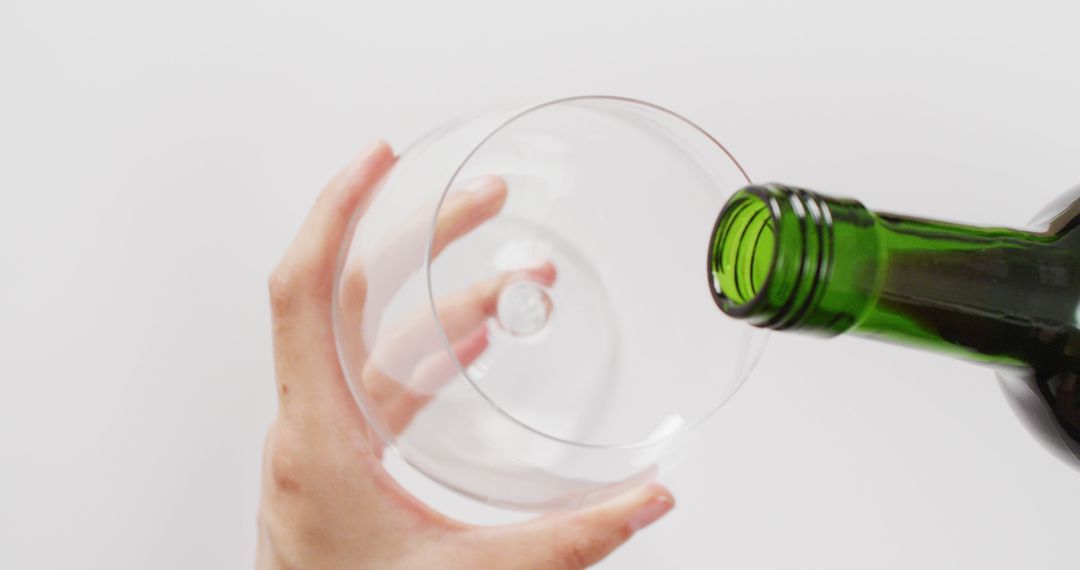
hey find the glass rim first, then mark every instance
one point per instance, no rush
(444, 339)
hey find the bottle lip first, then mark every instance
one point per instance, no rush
(726, 304)
(797, 273)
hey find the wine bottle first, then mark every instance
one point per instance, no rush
(785, 258)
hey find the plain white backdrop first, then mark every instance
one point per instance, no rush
(155, 159)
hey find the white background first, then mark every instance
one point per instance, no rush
(156, 159)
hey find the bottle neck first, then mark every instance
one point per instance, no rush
(789, 259)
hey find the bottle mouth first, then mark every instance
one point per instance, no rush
(742, 251)
(771, 252)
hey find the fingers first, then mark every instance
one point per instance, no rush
(437, 369)
(462, 212)
(371, 281)
(580, 539)
(302, 284)
(310, 261)
(398, 351)
(405, 401)
(461, 312)
(410, 364)
(400, 381)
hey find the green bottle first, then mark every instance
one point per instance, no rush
(784, 258)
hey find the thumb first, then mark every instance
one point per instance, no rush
(579, 539)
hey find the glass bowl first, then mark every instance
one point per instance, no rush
(523, 310)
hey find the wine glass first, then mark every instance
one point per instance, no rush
(522, 311)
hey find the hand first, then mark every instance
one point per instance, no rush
(327, 502)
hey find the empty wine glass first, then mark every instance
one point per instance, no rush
(523, 312)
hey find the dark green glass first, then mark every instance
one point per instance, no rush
(788, 259)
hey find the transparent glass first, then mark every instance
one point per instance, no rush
(523, 310)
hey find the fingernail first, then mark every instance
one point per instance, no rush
(542, 270)
(437, 370)
(370, 148)
(479, 183)
(485, 188)
(651, 512)
(362, 161)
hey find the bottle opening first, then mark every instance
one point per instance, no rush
(743, 247)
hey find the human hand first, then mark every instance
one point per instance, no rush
(327, 502)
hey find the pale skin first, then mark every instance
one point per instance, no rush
(327, 502)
